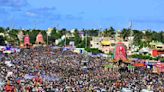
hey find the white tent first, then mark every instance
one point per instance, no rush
(144, 50)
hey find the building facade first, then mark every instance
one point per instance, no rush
(106, 44)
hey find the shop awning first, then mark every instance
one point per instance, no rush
(105, 42)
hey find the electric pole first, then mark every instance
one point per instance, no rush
(86, 36)
(131, 34)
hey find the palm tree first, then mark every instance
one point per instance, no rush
(109, 32)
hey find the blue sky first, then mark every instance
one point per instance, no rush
(42, 14)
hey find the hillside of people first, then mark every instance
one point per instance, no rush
(47, 69)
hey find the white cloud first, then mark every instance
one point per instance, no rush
(31, 14)
(13, 3)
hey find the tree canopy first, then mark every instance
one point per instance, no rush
(142, 38)
(2, 41)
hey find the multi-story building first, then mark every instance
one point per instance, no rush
(157, 45)
(106, 44)
(157, 48)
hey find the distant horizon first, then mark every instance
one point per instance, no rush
(83, 14)
(100, 29)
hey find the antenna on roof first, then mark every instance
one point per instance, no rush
(130, 25)
(131, 34)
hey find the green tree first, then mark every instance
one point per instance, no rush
(92, 32)
(125, 33)
(54, 35)
(77, 38)
(44, 35)
(63, 31)
(161, 36)
(62, 43)
(83, 43)
(2, 30)
(138, 35)
(12, 37)
(2, 41)
(93, 50)
(148, 35)
(156, 36)
(109, 32)
(33, 35)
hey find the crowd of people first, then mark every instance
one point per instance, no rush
(43, 69)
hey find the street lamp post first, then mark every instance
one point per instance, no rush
(65, 41)
(86, 40)
(47, 39)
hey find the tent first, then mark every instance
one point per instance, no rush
(144, 50)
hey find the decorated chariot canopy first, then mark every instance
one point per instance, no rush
(120, 53)
(26, 40)
(39, 39)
